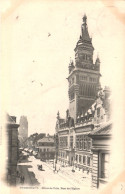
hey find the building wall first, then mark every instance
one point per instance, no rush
(95, 164)
(23, 129)
(46, 150)
(12, 132)
(100, 167)
(67, 153)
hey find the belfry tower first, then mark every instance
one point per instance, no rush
(84, 75)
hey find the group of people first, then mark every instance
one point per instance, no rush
(21, 177)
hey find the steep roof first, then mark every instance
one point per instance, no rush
(10, 119)
(39, 136)
(46, 139)
(102, 130)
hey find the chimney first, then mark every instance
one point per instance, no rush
(14, 118)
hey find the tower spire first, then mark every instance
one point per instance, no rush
(84, 29)
(84, 19)
(58, 115)
(85, 76)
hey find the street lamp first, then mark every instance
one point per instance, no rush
(56, 149)
(73, 157)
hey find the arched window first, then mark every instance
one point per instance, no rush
(94, 90)
(88, 90)
(85, 89)
(82, 88)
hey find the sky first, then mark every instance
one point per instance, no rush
(35, 66)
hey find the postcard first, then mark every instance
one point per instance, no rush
(62, 96)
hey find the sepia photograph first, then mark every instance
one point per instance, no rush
(62, 96)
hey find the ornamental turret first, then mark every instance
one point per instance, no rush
(71, 65)
(97, 64)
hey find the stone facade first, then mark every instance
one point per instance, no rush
(13, 151)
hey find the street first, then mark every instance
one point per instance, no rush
(65, 178)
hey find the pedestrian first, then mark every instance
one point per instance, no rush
(23, 179)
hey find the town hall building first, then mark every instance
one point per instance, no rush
(88, 108)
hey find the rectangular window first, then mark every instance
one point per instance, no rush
(88, 144)
(80, 159)
(84, 159)
(104, 165)
(77, 141)
(80, 142)
(63, 141)
(88, 161)
(85, 143)
(76, 158)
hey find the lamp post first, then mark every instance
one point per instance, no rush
(56, 149)
(73, 158)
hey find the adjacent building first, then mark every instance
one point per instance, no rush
(101, 139)
(101, 154)
(13, 151)
(89, 110)
(23, 129)
(32, 141)
(46, 147)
